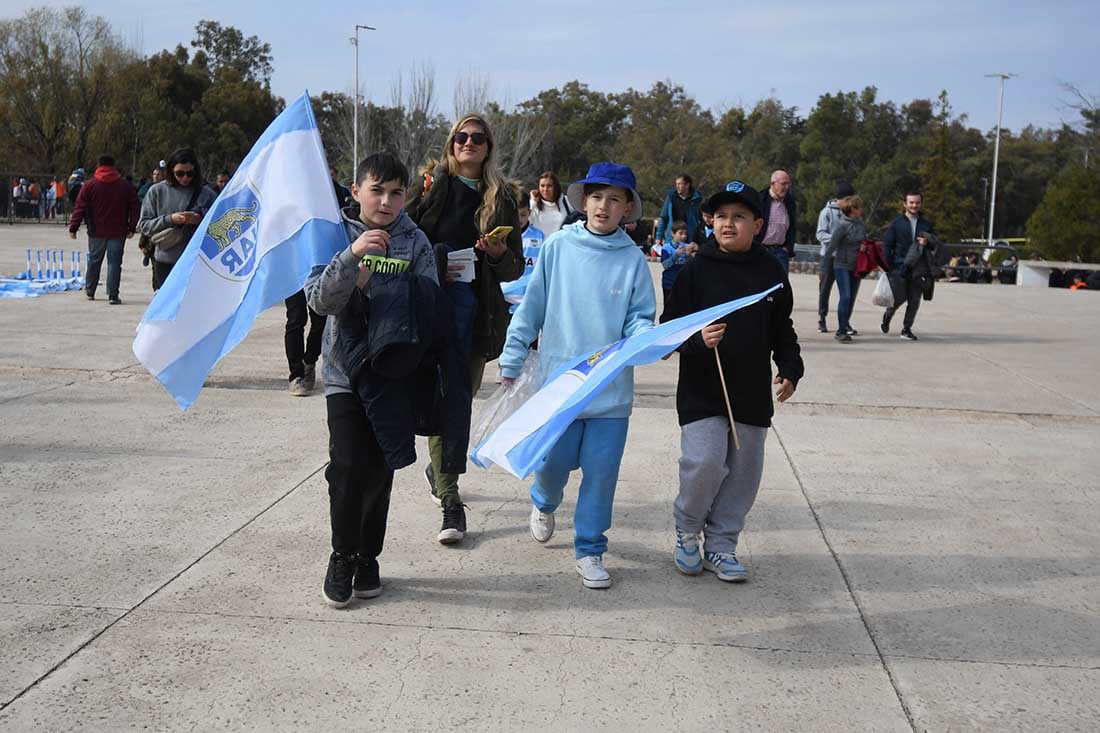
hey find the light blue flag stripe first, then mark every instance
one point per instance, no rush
(165, 304)
(524, 439)
(256, 246)
(279, 275)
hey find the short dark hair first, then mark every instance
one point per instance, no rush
(914, 193)
(384, 167)
(106, 160)
(679, 226)
(224, 173)
(183, 155)
(686, 179)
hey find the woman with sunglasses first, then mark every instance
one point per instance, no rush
(463, 198)
(548, 207)
(172, 209)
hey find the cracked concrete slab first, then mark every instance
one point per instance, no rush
(935, 501)
(167, 671)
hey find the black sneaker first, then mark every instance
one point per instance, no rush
(843, 337)
(366, 583)
(429, 476)
(115, 300)
(309, 375)
(91, 296)
(908, 334)
(454, 522)
(852, 331)
(886, 321)
(145, 261)
(337, 588)
(821, 327)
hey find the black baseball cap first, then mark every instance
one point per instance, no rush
(735, 192)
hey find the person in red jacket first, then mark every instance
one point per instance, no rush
(108, 204)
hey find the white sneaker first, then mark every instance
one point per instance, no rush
(593, 573)
(542, 525)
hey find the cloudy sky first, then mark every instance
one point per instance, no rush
(723, 53)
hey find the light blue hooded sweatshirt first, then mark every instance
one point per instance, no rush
(587, 291)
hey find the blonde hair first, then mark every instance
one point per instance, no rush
(850, 203)
(494, 189)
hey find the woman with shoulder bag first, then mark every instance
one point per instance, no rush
(462, 199)
(172, 210)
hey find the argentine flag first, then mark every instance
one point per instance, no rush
(255, 247)
(522, 441)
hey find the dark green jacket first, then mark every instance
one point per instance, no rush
(491, 319)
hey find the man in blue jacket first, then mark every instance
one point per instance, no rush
(682, 203)
(780, 213)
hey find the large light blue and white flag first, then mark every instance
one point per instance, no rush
(525, 438)
(255, 247)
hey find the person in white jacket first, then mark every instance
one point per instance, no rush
(548, 206)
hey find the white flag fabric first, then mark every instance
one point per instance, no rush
(524, 439)
(276, 218)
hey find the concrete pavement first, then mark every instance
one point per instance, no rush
(924, 552)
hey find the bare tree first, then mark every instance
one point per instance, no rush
(415, 130)
(518, 134)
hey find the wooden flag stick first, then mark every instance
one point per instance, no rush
(729, 407)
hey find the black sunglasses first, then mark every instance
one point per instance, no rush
(183, 174)
(477, 138)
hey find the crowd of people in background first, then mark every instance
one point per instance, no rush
(503, 269)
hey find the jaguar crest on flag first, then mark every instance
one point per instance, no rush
(229, 246)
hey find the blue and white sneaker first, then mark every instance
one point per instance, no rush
(689, 560)
(725, 566)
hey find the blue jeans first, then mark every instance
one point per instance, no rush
(780, 253)
(596, 447)
(847, 284)
(113, 248)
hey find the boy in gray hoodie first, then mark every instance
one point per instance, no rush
(383, 239)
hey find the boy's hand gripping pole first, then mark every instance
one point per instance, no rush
(726, 394)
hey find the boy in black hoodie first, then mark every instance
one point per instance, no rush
(718, 481)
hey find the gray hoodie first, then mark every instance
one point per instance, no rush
(826, 220)
(848, 233)
(330, 288)
(160, 202)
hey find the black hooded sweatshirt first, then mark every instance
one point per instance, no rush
(753, 335)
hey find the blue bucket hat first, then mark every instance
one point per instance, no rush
(611, 174)
(735, 192)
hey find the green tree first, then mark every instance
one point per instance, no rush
(1066, 224)
(945, 200)
(582, 128)
(667, 134)
(225, 48)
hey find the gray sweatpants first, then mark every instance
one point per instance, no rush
(718, 483)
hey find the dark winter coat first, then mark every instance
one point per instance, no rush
(754, 335)
(491, 318)
(899, 238)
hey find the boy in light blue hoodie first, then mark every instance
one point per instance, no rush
(595, 283)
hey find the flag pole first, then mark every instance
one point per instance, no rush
(729, 407)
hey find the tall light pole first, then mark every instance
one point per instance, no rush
(996, 153)
(355, 104)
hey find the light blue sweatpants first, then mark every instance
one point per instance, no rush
(596, 447)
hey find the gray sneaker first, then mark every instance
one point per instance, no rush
(298, 388)
(309, 375)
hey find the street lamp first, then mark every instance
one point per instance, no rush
(355, 113)
(996, 153)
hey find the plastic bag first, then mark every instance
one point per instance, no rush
(507, 399)
(884, 293)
